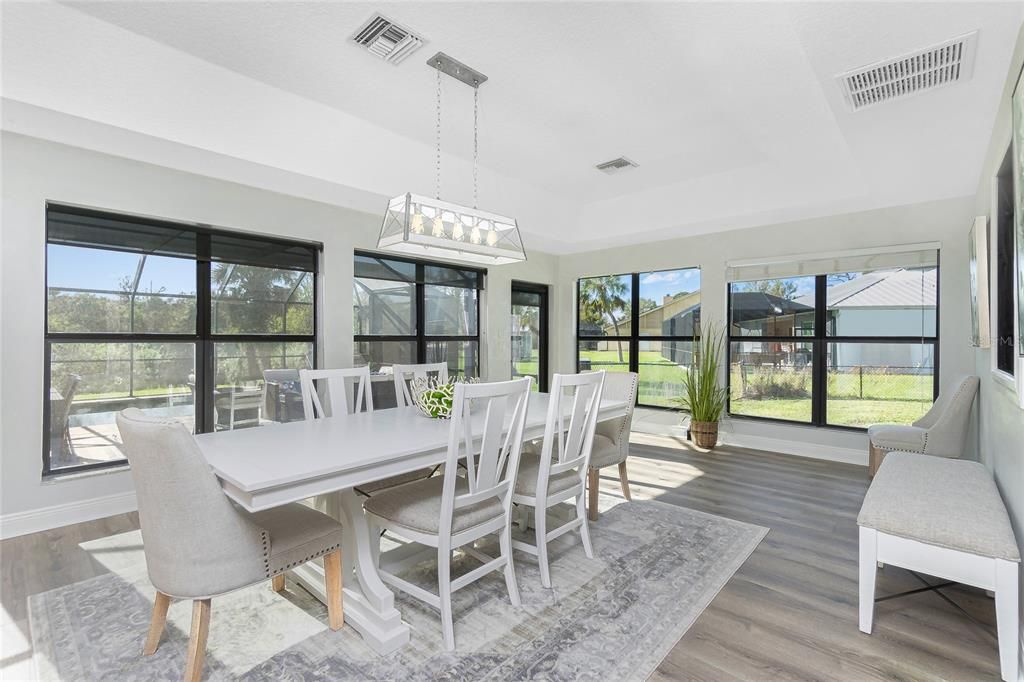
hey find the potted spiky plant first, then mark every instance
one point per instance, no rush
(703, 396)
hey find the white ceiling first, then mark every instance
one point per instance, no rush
(731, 110)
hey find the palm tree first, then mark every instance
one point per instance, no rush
(601, 298)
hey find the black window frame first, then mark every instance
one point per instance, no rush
(203, 339)
(421, 338)
(1004, 276)
(819, 342)
(634, 338)
(542, 360)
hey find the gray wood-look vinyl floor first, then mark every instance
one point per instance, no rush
(789, 613)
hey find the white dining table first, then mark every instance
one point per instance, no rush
(325, 459)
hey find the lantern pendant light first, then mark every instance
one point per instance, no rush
(421, 226)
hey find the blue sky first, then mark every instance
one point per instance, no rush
(70, 266)
(656, 285)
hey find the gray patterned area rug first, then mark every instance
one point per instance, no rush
(656, 568)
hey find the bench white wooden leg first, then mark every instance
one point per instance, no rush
(868, 566)
(1007, 617)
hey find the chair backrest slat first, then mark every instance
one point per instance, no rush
(487, 430)
(568, 448)
(337, 381)
(403, 374)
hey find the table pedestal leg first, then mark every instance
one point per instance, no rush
(369, 604)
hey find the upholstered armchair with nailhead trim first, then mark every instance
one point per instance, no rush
(611, 439)
(942, 431)
(200, 545)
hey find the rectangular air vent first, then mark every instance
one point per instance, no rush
(948, 62)
(615, 165)
(386, 39)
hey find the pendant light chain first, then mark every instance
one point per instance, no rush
(437, 184)
(476, 145)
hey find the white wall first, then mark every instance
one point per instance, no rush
(1001, 421)
(35, 171)
(946, 221)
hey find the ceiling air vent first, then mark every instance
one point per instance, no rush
(386, 39)
(615, 165)
(948, 62)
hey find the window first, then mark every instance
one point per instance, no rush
(407, 311)
(530, 333)
(644, 322)
(1005, 350)
(176, 320)
(846, 349)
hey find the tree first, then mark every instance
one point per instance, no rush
(256, 300)
(601, 298)
(783, 288)
(647, 304)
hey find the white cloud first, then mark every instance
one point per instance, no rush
(669, 276)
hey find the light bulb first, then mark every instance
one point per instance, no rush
(457, 230)
(474, 234)
(492, 237)
(417, 222)
(438, 230)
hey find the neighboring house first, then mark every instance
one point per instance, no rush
(877, 304)
(674, 317)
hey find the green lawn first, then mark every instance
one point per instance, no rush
(890, 398)
(661, 381)
(841, 412)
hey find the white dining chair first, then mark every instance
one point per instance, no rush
(199, 545)
(403, 374)
(455, 510)
(558, 473)
(337, 397)
(337, 392)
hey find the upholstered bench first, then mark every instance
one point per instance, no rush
(942, 517)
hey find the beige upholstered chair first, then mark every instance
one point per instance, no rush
(455, 510)
(942, 431)
(611, 440)
(558, 473)
(199, 545)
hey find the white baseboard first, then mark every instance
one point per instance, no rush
(833, 453)
(35, 520)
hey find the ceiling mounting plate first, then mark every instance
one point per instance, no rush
(457, 70)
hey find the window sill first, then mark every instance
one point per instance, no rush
(61, 477)
(1007, 381)
(786, 422)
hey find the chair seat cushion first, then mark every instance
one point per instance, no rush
(891, 437)
(605, 452)
(950, 503)
(392, 481)
(297, 534)
(529, 468)
(417, 506)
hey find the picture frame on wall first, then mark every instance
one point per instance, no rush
(1017, 135)
(978, 250)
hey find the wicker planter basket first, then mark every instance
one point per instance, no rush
(704, 434)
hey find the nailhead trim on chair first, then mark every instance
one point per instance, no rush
(924, 450)
(632, 392)
(622, 428)
(266, 552)
(315, 555)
